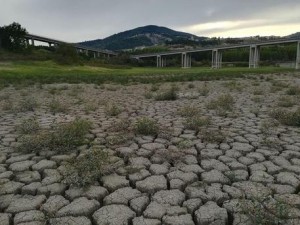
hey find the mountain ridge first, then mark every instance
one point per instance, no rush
(141, 36)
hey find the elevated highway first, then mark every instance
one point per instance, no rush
(54, 42)
(254, 53)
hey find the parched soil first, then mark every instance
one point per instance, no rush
(241, 167)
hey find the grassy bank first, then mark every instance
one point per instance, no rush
(49, 72)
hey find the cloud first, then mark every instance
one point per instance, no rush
(77, 20)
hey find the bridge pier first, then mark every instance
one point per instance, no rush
(216, 59)
(32, 42)
(186, 60)
(254, 56)
(298, 56)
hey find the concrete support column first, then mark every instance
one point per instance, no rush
(254, 56)
(87, 52)
(216, 59)
(94, 55)
(186, 60)
(32, 42)
(298, 56)
(158, 61)
(163, 61)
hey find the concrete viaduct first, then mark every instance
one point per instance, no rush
(254, 53)
(79, 48)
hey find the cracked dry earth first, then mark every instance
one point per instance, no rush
(209, 184)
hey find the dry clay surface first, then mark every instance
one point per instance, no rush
(209, 184)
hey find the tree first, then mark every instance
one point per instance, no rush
(12, 37)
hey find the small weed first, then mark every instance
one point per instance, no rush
(184, 144)
(28, 126)
(265, 211)
(286, 102)
(258, 91)
(88, 168)
(154, 87)
(197, 122)
(234, 86)
(294, 90)
(90, 107)
(28, 104)
(112, 88)
(191, 86)
(189, 111)
(148, 95)
(257, 99)
(117, 139)
(112, 109)
(222, 104)
(120, 126)
(212, 136)
(203, 91)
(55, 106)
(7, 105)
(146, 126)
(169, 95)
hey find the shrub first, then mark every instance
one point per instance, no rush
(88, 168)
(154, 87)
(146, 126)
(28, 126)
(62, 138)
(289, 118)
(197, 122)
(117, 139)
(169, 95)
(188, 111)
(112, 109)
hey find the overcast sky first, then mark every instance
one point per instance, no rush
(79, 20)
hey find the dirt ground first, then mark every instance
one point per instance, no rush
(213, 161)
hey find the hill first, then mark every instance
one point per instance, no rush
(295, 35)
(142, 36)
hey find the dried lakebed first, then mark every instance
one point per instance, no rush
(218, 156)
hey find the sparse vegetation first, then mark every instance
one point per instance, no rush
(265, 211)
(222, 104)
(146, 126)
(62, 138)
(212, 136)
(285, 101)
(294, 90)
(197, 122)
(28, 126)
(28, 104)
(55, 106)
(87, 169)
(289, 118)
(111, 109)
(169, 95)
(189, 111)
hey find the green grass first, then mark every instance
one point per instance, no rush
(49, 72)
